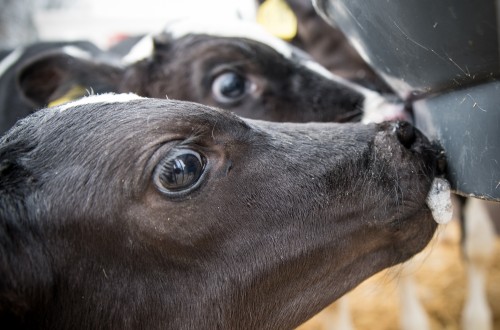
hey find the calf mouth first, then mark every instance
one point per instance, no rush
(403, 166)
(351, 116)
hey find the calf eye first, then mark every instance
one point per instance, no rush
(179, 171)
(229, 87)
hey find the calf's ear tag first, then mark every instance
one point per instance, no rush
(278, 19)
(74, 93)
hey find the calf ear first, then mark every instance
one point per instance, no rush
(162, 44)
(50, 76)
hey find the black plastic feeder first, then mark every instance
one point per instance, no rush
(443, 57)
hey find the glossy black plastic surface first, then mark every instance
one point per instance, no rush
(444, 57)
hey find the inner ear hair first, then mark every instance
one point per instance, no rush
(45, 78)
(38, 85)
(51, 76)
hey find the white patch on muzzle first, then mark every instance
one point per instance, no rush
(376, 108)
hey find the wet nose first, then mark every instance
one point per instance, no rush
(405, 133)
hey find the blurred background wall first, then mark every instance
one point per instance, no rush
(102, 21)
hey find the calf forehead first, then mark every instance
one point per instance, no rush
(99, 120)
(203, 53)
(231, 29)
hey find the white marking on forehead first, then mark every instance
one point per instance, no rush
(101, 98)
(76, 52)
(229, 29)
(10, 60)
(141, 50)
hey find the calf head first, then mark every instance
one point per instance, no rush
(235, 66)
(148, 213)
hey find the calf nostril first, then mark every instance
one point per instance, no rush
(441, 163)
(405, 133)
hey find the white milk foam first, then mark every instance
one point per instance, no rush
(439, 201)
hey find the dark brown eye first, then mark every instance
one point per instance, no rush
(179, 171)
(229, 87)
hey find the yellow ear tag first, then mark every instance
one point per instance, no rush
(278, 19)
(74, 93)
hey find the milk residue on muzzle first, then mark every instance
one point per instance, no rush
(439, 201)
